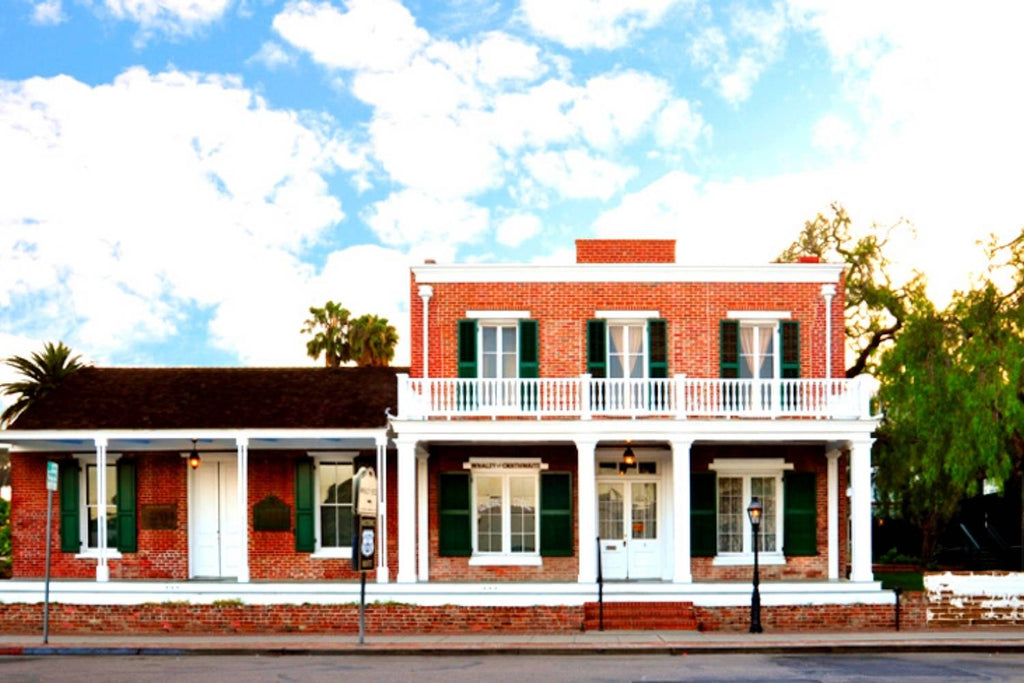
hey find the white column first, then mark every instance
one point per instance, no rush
(242, 446)
(682, 572)
(425, 292)
(832, 491)
(828, 291)
(423, 524)
(406, 511)
(102, 569)
(860, 509)
(586, 514)
(382, 509)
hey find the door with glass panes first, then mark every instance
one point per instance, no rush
(628, 527)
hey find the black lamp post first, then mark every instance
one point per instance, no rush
(754, 513)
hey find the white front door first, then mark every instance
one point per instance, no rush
(628, 529)
(215, 520)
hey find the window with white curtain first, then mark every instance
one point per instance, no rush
(757, 350)
(626, 351)
(499, 353)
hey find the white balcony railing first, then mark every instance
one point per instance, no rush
(680, 397)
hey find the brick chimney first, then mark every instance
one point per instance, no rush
(625, 251)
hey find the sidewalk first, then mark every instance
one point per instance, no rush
(608, 642)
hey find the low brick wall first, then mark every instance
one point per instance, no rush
(958, 599)
(185, 618)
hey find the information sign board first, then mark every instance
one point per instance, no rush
(51, 476)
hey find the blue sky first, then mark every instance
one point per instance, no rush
(181, 179)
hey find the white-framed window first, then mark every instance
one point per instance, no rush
(627, 349)
(505, 519)
(499, 350)
(90, 503)
(334, 503)
(758, 357)
(738, 481)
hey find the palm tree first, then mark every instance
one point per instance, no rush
(42, 372)
(331, 327)
(372, 340)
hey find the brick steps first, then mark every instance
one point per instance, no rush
(640, 616)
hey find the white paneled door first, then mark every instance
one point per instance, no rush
(215, 521)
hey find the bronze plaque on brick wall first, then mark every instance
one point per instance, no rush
(162, 517)
(272, 514)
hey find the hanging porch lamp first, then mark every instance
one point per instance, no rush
(193, 457)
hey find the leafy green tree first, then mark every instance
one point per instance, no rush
(372, 340)
(330, 328)
(952, 393)
(42, 372)
(876, 306)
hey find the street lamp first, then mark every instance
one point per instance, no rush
(754, 513)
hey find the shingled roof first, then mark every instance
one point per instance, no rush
(217, 398)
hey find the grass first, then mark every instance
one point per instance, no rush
(908, 581)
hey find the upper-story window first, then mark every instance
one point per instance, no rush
(750, 349)
(495, 348)
(627, 349)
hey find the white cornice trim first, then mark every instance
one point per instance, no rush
(498, 315)
(642, 272)
(758, 316)
(73, 439)
(627, 315)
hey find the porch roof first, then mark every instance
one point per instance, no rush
(216, 399)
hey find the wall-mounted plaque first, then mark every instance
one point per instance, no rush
(272, 514)
(162, 517)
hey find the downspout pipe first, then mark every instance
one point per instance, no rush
(425, 292)
(828, 291)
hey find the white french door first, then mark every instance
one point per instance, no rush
(215, 537)
(628, 529)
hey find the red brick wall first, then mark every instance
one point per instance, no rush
(163, 554)
(450, 459)
(181, 618)
(625, 251)
(693, 311)
(803, 459)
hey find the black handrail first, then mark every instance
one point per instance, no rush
(600, 589)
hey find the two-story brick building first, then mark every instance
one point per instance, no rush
(610, 419)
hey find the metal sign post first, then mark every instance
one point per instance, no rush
(364, 535)
(51, 486)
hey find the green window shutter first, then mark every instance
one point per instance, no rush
(126, 529)
(657, 342)
(305, 504)
(556, 514)
(70, 541)
(529, 349)
(467, 348)
(800, 514)
(790, 331)
(729, 349)
(455, 536)
(597, 355)
(703, 515)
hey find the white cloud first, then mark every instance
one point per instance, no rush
(680, 127)
(833, 133)
(515, 229)
(614, 109)
(272, 56)
(501, 57)
(176, 191)
(170, 17)
(48, 12)
(412, 217)
(757, 36)
(373, 35)
(576, 174)
(586, 24)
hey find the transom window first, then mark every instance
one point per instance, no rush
(334, 499)
(505, 519)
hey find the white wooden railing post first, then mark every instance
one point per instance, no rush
(585, 396)
(679, 399)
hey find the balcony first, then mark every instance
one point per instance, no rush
(679, 397)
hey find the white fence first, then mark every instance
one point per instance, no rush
(680, 397)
